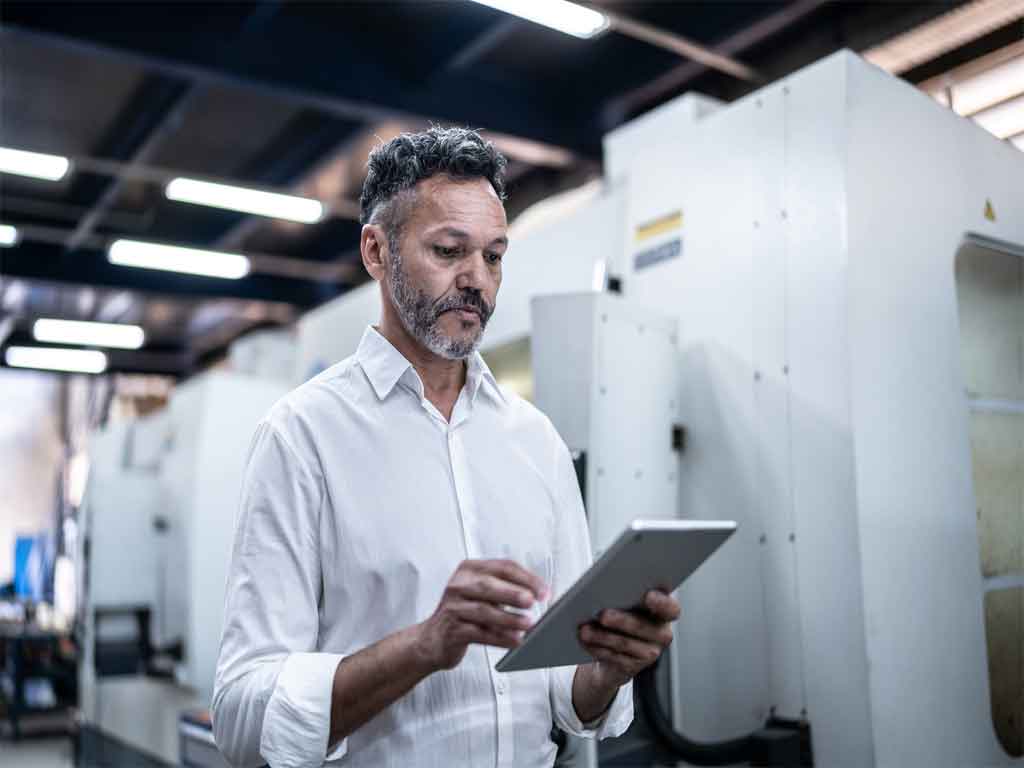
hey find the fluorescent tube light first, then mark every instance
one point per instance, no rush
(34, 164)
(562, 15)
(89, 334)
(1003, 120)
(8, 235)
(175, 258)
(56, 359)
(272, 204)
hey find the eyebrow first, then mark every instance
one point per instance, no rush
(460, 234)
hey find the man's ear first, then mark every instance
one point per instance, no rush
(373, 243)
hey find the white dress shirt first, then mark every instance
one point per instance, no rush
(358, 503)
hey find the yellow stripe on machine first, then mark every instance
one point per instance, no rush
(659, 226)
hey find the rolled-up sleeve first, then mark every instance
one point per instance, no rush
(272, 693)
(572, 558)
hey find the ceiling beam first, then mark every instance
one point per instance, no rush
(153, 110)
(45, 261)
(997, 39)
(323, 68)
(481, 45)
(835, 25)
(619, 109)
(681, 46)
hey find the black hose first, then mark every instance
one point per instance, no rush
(695, 752)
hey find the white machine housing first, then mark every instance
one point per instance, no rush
(818, 224)
(213, 418)
(619, 424)
(183, 466)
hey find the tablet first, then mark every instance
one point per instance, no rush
(649, 554)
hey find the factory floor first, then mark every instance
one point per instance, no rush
(38, 753)
(89, 749)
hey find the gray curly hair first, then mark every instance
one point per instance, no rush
(400, 164)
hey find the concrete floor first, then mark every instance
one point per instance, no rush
(37, 753)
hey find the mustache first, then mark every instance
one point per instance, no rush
(467, 300)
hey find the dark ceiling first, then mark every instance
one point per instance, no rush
(293, 95)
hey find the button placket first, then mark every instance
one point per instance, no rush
(466, 501)
(463, 500)
(506, 745)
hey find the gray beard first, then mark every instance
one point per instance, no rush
(420, 316)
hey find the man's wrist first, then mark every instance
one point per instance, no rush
(420, 657)
(594, 691)
(607, 677)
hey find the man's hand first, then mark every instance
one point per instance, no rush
(625, 642)
(473, 610)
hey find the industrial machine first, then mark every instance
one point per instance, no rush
(841, 260)
(160, 510)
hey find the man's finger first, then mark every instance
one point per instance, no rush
(662, 605)
(509, 570)
(638, 650)
(492, 589)
(627, 663)
(637, 626)
(490, 617)
(474, 633)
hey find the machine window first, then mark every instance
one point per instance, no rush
(990, 295)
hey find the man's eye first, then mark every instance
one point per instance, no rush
(494, 258)
(447, 253)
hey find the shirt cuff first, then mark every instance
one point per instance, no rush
(614, 722)
(297, 722)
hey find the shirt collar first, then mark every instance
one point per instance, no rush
(384, 366)
(478, 373)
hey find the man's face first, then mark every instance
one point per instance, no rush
(444, 275)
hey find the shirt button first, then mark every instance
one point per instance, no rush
(501, 687)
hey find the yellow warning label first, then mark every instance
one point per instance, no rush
(990, 212)
(659, 226)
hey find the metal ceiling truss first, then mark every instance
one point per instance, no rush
(340, 86)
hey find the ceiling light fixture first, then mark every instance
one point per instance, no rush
(175, 258)
(57, 359)
(8, 235)
(271, 204)
(34, 164)
(89, 334)
(564, 16)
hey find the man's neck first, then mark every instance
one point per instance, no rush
(442, 378)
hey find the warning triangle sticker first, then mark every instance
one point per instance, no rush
(990, 212)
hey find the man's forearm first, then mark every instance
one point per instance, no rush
(368, 682)
(591, 693)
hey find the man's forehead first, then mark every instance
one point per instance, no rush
(442, 200)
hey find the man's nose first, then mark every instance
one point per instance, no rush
(474, 274)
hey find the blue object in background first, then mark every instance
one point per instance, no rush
(33, 567)
(22, 553)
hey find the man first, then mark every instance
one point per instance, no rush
(403, 520)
